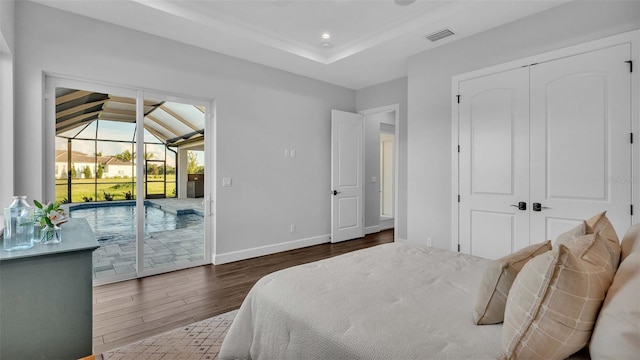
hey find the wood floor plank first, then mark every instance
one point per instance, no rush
(102, 329)
(129, 307)
(141, 312)
(132, 310)
(110, 300)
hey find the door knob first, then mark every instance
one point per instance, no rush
(336, 192)
(521, 205)
(539, 207)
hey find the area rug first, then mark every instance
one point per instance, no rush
(198, 341)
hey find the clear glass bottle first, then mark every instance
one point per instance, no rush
(18, 225)
(37, 228)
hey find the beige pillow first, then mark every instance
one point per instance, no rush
(600, 223)
(630, 242)
(571, 235)
(497, 280)
(554, 301)
(617, 331)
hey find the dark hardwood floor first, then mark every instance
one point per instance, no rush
(131, 310)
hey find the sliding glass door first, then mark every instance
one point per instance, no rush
(174, 219)
(95, 170)
(122, 163)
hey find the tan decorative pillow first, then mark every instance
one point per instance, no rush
(617, 331)
(630, 242)
(497, 280)
(571, 235)
(554, 301)
(600, 223)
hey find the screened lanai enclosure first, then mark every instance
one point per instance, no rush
(96, 155)
(137, 198)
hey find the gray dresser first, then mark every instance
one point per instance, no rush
(46, 297)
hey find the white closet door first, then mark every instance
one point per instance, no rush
(580, 147)
(494, 163)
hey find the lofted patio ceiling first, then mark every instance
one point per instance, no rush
(172, 123)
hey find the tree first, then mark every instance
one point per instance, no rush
(153, 169)
(125, 156)
(74, 173)
(100, 171)
(87, 172)
(192, 164)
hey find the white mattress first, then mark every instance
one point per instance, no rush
(392, 301)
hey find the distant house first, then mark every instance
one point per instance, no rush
(112, 167)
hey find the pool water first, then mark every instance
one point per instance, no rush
(117, 224)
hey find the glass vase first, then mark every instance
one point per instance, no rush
(37, 226)
(50, 235)
(18, 225)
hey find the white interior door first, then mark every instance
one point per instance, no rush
(494, 163)
(580, 141)
(347, 218)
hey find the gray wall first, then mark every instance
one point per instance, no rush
(7, 35)
(390, 93)
(260, 112)
(429, 125)
(7, 21)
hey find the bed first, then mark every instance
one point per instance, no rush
(391, 301)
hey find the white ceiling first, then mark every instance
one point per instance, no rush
(371, 39)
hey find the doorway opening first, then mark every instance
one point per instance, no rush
(357, 172)
(387, 138)
(380, 168)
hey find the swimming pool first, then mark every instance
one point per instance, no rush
(116, 222)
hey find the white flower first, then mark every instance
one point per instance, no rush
(56, 216)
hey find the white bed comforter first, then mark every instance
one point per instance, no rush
(392, 301)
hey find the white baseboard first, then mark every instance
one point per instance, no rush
(386, 224)
(269, 249)
(371, 229)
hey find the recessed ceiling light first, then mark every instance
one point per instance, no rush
(404, 2)
(326, 36)
(326, 45)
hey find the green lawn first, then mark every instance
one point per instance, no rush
(81, 188)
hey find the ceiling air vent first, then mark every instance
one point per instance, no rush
(440, 35)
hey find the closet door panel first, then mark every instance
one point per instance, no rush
(493, 233)
(576, 137)
(580, 149)
(492, 140)
(493, 160)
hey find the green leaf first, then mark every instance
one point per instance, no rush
(37, 204)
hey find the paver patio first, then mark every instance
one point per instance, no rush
(161, 248)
